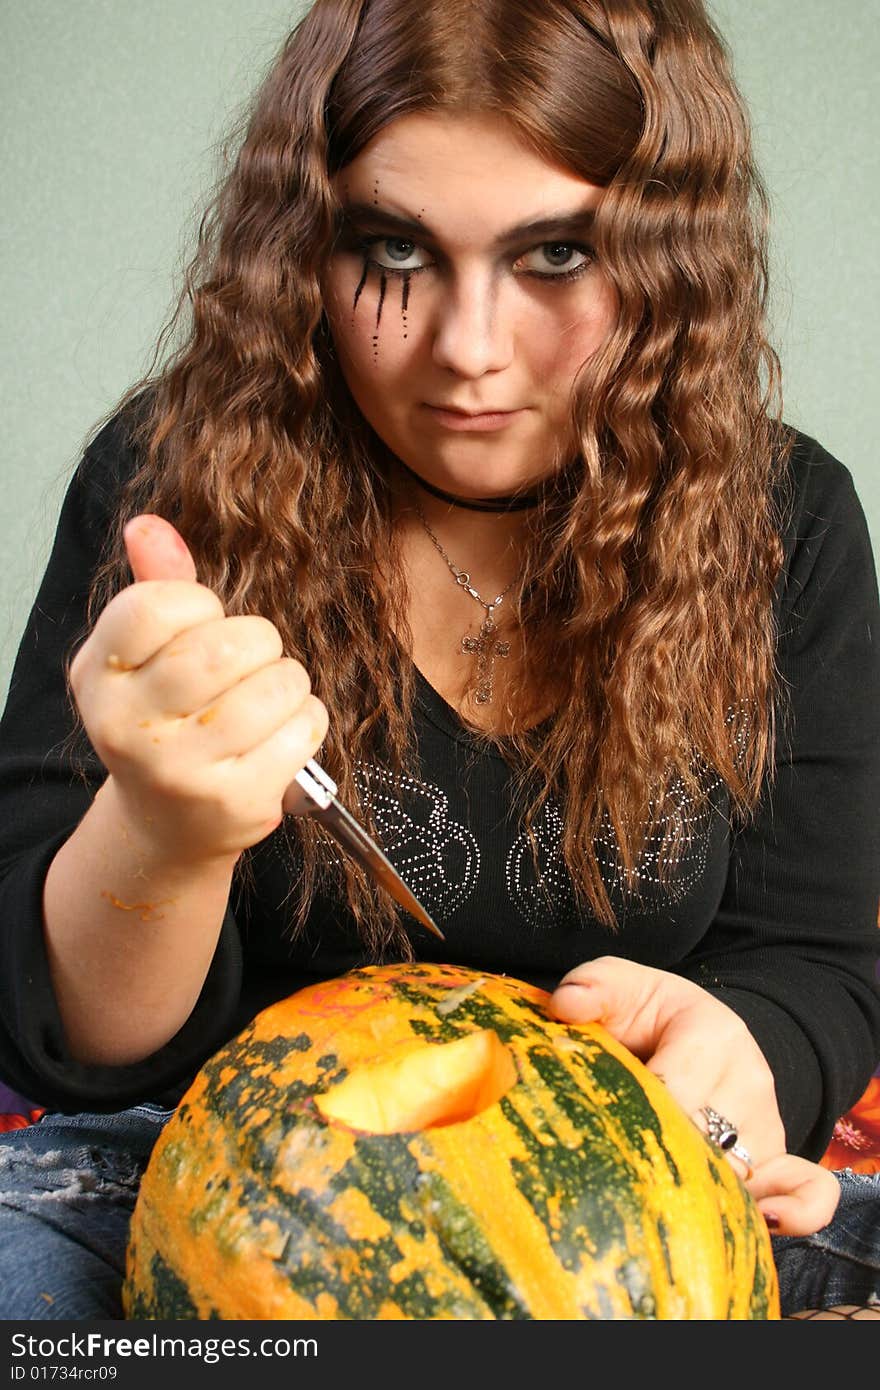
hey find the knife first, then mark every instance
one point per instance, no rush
(326, 807)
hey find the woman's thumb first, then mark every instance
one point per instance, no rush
(156, 550)
(623, 996)
(579, 1001)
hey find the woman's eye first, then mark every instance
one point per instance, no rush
(395, 253)
(555, 258)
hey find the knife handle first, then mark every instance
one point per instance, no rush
(317, 784)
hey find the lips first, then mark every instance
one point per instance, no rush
(472, 414)
(450, 417)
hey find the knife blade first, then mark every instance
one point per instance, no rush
(326, 807)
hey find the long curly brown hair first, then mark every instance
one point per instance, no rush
(652, 561)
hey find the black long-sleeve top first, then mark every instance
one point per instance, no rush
(777, 917)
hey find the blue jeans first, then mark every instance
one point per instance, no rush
(841, 1263)
(68, 1186)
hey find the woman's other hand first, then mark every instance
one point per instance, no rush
(200, 721)
(706, 1056)
(797, 1197)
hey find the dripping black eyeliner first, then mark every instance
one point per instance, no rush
(354, 236)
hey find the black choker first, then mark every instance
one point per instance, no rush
(519, 502)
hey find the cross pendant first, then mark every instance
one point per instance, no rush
(485, 648)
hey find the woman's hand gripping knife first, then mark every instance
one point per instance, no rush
(706, 1056)
(202, 725)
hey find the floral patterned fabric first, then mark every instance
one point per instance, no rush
(13, 1119)
(15, 1110)
(855, 1142)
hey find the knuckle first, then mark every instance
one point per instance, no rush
(236, 642)
(170, 781)
(319, 716)
(170, 601)
(219, 805)
(211, 647)
(295, 678)
(110, 741)
(139, 603)
(263, 633)
(76, 671)
(306, 729)
(191, 597)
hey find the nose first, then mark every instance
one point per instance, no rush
(473, 331)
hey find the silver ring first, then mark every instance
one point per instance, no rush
(721, 1131)
(738, 1151)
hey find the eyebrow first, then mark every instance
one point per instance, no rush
(559, 224)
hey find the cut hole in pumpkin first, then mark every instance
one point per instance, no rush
(439, 1084)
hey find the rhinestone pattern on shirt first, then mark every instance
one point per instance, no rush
(540, 887)
(540, 893)
(690, 830)
(438, 857)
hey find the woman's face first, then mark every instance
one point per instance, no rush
(463, 298)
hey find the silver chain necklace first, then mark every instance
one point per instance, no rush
(486, 647)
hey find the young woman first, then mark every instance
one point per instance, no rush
(469, 472)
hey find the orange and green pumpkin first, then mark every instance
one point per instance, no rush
(424, 1142)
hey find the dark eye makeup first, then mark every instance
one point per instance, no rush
(394, 248)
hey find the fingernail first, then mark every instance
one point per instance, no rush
(771, 1219)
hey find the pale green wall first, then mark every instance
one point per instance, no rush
(111, 112)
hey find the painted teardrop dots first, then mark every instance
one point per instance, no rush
(383, 286)
(383, 289)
